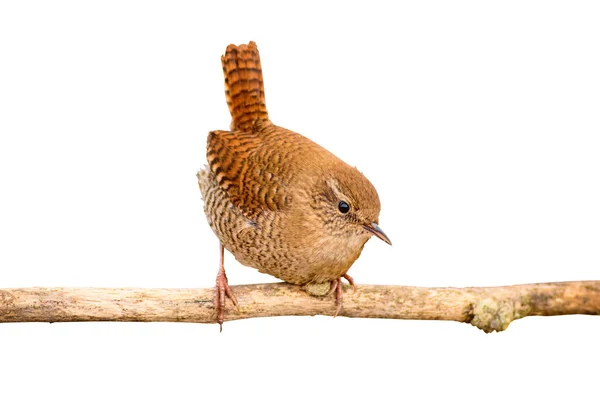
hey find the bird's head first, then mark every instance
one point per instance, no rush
(348, 205)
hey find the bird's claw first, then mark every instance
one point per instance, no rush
(223, 291)
(337, 287)
(350, 282)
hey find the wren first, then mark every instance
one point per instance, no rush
(276, 200)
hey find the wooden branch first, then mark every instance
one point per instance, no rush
(490, 309)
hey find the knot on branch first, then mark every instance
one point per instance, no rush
(7, 300)
(492, 315)
(317, 289)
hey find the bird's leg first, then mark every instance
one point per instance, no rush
(350, 281)
(222, 290)
(336, 285)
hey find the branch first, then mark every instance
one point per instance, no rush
(490, 309)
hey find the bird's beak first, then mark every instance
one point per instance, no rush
(376, 230)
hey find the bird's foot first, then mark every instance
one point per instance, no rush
(336, 286)
(350, 282)
(222, 291)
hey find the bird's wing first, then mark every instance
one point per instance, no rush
(249, 171)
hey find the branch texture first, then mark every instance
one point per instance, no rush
(489, 308)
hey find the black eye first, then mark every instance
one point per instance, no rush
(343, 207)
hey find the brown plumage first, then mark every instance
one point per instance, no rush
(276, 200)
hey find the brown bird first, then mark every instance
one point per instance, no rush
(276, 200)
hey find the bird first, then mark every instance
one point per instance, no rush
(278, 201)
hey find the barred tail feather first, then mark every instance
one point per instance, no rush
(244, 87)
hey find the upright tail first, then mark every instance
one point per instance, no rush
(244, 88)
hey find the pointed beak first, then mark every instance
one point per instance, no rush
(376, 230)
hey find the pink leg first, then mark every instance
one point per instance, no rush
(350, 281)
(222, 290)
(336, 286)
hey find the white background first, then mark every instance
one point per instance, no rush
(478, 124)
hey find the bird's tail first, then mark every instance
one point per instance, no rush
(244, 88)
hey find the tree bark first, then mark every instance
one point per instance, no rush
(488, 308)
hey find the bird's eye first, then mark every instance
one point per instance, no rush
(343, 207)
